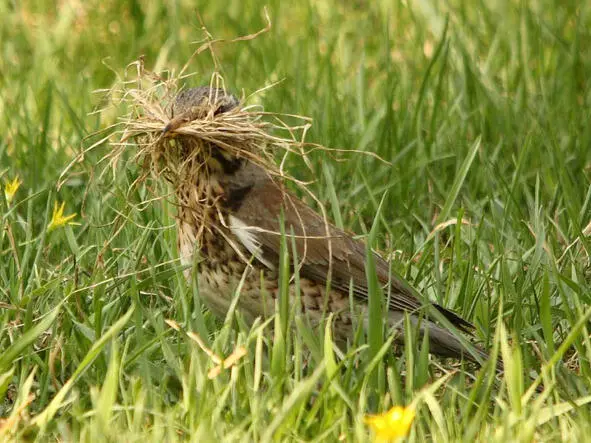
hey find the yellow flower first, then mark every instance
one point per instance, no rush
(392, 424)
(10, 189)
(58, 220)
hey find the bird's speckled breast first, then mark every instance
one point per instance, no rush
(220, 270)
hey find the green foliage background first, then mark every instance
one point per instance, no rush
(483, 111)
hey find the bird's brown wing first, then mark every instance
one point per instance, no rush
(318, 243)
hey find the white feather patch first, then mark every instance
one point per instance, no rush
(248, 239)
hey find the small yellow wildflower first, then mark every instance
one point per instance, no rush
(58, 220)
(10, 189)
(393, 424)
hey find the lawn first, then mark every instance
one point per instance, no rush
(479, 191)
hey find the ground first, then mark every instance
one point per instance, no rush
(481, 112)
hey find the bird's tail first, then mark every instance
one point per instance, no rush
(445, 343)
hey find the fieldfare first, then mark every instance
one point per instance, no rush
(237, 224)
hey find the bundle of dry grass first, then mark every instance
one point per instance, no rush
(153, 127)
(150, 124)
(177, 145)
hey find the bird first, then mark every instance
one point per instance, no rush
(233, 234)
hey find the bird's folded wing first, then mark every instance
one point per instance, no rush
(319, 245)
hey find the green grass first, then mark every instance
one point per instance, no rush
(483, 111)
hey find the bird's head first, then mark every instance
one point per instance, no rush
(203, 98)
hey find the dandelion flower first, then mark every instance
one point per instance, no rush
(392, 424)
(58, 219)
(10, 189)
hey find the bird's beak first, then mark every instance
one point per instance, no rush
(167, 128)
